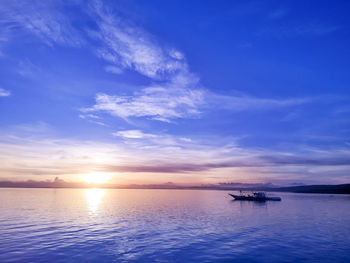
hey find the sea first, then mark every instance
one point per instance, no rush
(141, 225)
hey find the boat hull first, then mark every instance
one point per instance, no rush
(254, 198)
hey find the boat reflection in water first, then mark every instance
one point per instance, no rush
(256, 196)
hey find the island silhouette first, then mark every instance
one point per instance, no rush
(268, 187)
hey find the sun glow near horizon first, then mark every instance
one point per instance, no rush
(96, 177)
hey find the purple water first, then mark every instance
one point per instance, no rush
(96, 225)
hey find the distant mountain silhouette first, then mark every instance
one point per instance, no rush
(326, 189)
(59, 183)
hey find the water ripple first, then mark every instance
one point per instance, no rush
(74, 225)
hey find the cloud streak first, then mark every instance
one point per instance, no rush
(41, 18)
(134, 134)
(260, 161)
(156, 103)
(341, 160)
(243, 102)
(4, 93)
(130, 47)
(41, 156)
(168, 103)
(174, 93)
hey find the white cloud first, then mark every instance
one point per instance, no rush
(125, 46)
(86, 116)
(4, 93)
(93, 119)
(175, 92)
(42, 18)
(23, 157)
(179, 96)
(185, 139)
(168, 103)
(157, 103)
(26, 68)
(134, 134)
(128, 46)
(113, 69)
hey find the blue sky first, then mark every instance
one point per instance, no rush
(180, 91)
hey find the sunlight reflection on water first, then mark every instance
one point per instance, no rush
(94, 197)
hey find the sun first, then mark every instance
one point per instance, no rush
(96, 178)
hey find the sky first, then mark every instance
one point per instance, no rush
(190, 92)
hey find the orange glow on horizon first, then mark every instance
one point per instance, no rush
(96, 178)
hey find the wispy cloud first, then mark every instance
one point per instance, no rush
(333, 160)
(26, 68)
(71, 158)
(114, 69)
(302, 30)
(134, 134)
(179, 95)
(146, 140)
(168, 103)
(157, 103)
(33, 128)
(175, 91)
(91, 116)
(242, 102)
(128, 46)
(93, 119)
(42, 18)
(4, 93)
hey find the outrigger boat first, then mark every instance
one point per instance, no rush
(257, 196)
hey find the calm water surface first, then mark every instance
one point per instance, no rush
(96, 225)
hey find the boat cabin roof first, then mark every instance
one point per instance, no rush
(259, 194)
